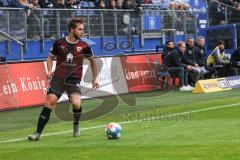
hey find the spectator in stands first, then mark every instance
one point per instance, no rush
(60, 4)
(180, 7)
(186, 7)
(112, 4)
(189, 58)
(216, 12)
(181, 16)
(129, 4)
(22, 4)
(101, 4)
(219, 61)
(72, 4)
(119, 4)
(174, 61)
(33, 21)
(46, 3)
(64, 17)
(172, 6)
(170, 17)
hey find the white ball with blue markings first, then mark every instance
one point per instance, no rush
(113, 131)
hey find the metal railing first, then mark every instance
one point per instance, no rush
(51, 23)
(13, 39)
(220, 13)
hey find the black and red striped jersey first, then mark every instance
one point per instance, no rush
(70, 57)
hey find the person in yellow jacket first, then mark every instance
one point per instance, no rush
(219, 61)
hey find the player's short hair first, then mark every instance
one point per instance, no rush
(73, 23)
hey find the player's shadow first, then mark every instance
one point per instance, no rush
(63, 110)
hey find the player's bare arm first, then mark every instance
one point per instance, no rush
(49, 66)
(95, 83)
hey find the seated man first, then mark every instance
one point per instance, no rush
(200, 57)
(169, 47)
(190, 59)
(235, 61)
(173, 60)
(235, 58)
(219, 61)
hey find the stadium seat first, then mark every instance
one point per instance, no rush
(85, 5)
(48, 13)
(91, 4)
(78, 13)
(5, 3)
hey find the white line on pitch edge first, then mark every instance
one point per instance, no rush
(126, 122)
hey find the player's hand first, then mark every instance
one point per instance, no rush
(49, 75)
(189, 67)
(95, 84)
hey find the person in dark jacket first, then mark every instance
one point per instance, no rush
(235, 58)
(200, 57)
(101, 4)
(72, 4)
(235, 61)
(112, 4)
(47, 3)
(189, 58)
(129, 4)
(174, 61)
(169, 47)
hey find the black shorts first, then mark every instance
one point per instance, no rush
(59, 85)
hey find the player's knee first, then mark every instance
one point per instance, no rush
(51, 102)
(76, 104)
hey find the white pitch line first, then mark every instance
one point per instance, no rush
(126, 122)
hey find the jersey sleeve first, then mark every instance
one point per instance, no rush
(88, 53)
(54, 50)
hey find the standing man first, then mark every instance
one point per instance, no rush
(69, 53)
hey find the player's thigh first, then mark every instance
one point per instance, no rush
(74, 92)
(55, 90)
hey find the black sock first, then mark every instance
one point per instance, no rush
(77, 115)
(43, 119)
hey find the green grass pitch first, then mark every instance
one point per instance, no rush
(208, 130)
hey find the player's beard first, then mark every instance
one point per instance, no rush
(76, 37)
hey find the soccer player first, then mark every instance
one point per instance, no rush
(69, 53)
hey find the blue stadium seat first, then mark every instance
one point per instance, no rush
(5, 3)
(78, 13)
(91, 5)
(48, 13)
(85, 5)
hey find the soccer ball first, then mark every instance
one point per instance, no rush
(113, 131)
